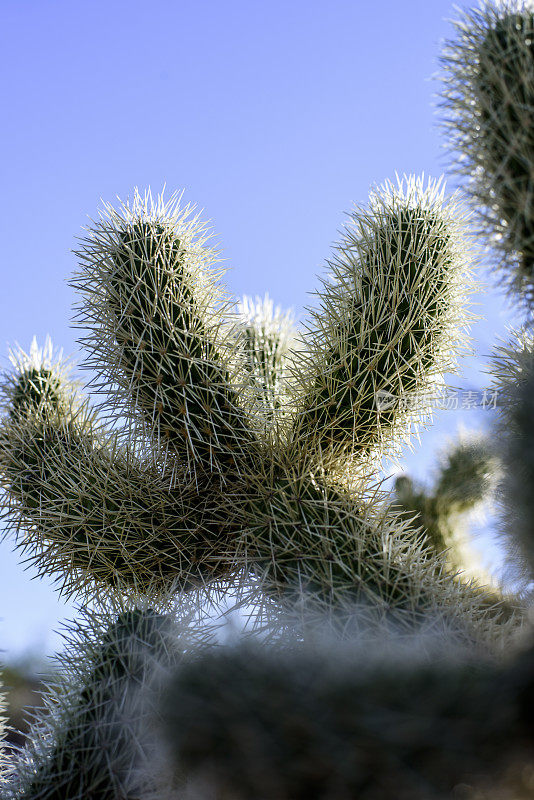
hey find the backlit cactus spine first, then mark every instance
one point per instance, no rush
(88, 506)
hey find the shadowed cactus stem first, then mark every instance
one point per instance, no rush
(513, 371)
(95, 742)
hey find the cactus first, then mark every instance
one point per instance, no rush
(235, 463)
(247, 450)
(466, 477)
(391, 321)
(96, 508)
(415, 720)
(94, 741)
(230, 451)
(513, 371)
(488, 96)
(157, 332)
(268, 335)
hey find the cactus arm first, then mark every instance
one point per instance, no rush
(514, 377)
(93, 741)
(389, 325)
(267, 334)
(84, 505)
(467, 474)
(488, 101)
(158, 332)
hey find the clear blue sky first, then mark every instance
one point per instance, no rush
(273, 116)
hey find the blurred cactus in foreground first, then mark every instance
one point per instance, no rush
(513, 371)
(235, 461)
(416, 720)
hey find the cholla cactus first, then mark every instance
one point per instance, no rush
(236, 451)
(96, 509)
(95, 739)
(159, 335)
(488, 95)
(513, 371)
(391, 320)
(221, 475)
(466, 477)
(268, 334)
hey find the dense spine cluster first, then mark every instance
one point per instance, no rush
(158, 333)
(88, 507)
(391, 321)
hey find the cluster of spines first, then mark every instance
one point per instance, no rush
(160, 332)
(321, 550)
(268, 335)
(92, 510)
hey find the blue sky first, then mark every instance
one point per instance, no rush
(273, 116)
